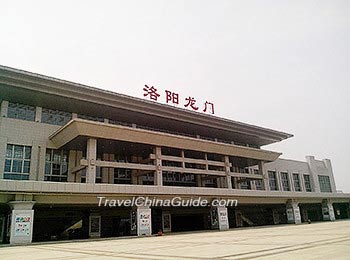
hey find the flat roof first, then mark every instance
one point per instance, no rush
(46, 91)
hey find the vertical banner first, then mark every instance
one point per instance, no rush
(23, 225)
(223, 218)
(21, 228)
(144, 217)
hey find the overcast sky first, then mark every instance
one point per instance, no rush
(278, 64)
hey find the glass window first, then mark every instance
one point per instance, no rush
(26, 166)
(122, 176)
(17, 163)
(307, 182)
(285, 181)
(259, 184)
(272, 180)
(98, 175)
(296, 180)
(9, 150)
(18, 152)
(55, 117)
(245, 185)
(7, 165)
(20, 111)
(56, 165)
(325, 184)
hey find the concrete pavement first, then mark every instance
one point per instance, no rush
(324, 240)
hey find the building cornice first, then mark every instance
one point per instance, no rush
(53, 86)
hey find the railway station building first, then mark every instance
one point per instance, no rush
(63, 145)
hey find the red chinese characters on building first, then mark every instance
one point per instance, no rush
(192, 103)
(171, 97)
(208, 106)
(152, 92)
(174, 98)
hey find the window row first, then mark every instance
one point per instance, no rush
(17, 163)
(48, 116)
(286, 181)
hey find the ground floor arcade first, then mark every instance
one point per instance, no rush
(22, 222)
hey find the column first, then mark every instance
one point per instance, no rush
(158, 177)
(228, 170)
(4, 108)
(91, 151)
(38, 112)
(105, 171)
(37, 161)
(21, 222)
(135, 173)
(111, 170)
(279, 180)
(327, 210)
(293, 212)
(3, 145)
(41, 161)
(77, 175)
(71, 165)
(263, 172)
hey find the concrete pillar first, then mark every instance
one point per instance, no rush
(279, 180)
(22, 220)
(41, 162)
(4, 108)
(144, 221)
(34, 162)
(105, 171)
(91, 151)
(134, 173)
(228, 171)
(291, 181)
(293, 212)
(263, 172)
(71, 164)
(183, 159)
(3, 145)
(38, 113)
(158, 177)
(135, 177)
(302, 182)
(111, 170)
(79, 156)
(328, 210)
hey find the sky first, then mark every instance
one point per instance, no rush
(277, 64)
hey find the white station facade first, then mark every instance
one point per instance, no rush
(64, 145)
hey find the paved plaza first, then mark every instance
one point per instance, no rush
(324, 240)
